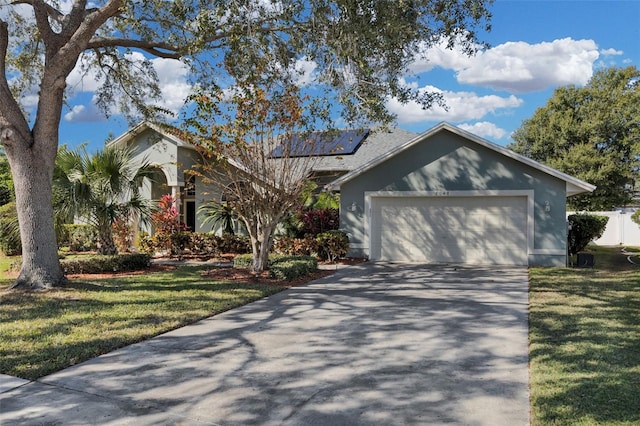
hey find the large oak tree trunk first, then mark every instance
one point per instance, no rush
(32, 168)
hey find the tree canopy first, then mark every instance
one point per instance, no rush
(359, 50)
(593, 133)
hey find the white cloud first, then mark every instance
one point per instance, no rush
(85, 113)
(440, 56)
(484, 129)
(518, 67)
(172, 78)
(611, 52)
(460, 106)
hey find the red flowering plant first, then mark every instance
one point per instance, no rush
(170, 233)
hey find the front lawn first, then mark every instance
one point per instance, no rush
(43, 332)
(585, 342)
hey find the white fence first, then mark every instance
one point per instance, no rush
(621, 230)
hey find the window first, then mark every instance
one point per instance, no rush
(190, 187)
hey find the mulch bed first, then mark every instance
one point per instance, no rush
(229, 273)
(224, 273)
(246, 276)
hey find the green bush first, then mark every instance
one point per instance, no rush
(332, 245)
(584, 228)
(145, 244)
(10, 243)
(636, 217)
(291, 267)
(105, 264)
(280, 266)
(79, 237)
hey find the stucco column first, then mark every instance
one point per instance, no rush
(175, 193)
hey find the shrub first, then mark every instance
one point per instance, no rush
(291, 267)
(193, 243)
(296, 246)
(145, 244)
(122, 234)
(317, 221)
(234, 244)
(201, 244)
(170, 233)
(280, 266)
(10, 243)
(79, 237)
(104, 264)
(584, 228)
(332, 245)
(636, 217)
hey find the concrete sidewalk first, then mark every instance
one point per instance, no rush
(370, 344)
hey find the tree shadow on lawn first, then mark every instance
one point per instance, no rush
(86, 319)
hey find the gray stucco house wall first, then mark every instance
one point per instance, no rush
(447, 163)
(172, 159)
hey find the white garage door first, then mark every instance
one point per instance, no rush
(473, 230)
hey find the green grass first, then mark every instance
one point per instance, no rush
(5, 263)
(43, 332)
(585, 342)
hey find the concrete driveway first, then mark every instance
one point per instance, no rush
(372, 344)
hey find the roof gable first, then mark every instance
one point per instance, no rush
(573, 185)
(141, 127)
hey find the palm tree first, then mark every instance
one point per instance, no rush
(100, 189)
(219, 214)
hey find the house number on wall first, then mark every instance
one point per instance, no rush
(441, 194)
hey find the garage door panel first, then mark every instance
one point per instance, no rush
(475, 230)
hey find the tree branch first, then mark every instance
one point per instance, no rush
(10, 113)
(51, 11)
(160, 49)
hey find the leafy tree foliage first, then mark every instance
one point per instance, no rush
(590, 132)
(100, 188)
(635, 217)
(360, 51)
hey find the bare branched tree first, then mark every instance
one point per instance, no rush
(261, 157)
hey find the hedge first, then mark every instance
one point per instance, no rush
(98, 264)
(280, 266)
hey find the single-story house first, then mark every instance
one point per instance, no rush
(448, 196)
(444, 196)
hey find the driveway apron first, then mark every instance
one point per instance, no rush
(371, 344)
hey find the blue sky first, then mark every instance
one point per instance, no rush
(535, 47)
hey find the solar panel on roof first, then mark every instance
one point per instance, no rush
(342, 142)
